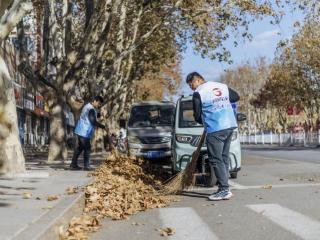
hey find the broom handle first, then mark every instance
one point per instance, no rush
(197, 152)
(193, 163)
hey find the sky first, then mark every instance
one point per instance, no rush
(265, 39)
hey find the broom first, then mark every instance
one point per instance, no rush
(184, 178)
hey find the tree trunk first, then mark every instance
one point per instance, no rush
(11, 18)
(11, 155)
(57, 145)
(57, 49)
(4, 4)
(282, 120)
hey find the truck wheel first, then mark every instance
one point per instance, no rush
(234, 175)
(210, 180)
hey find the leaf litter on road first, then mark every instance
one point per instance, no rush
(26, 195)
(210, 204)
(121, 187)
(72, 190)
(78, 227)
(52, 197)
(137, 224)
(267, 186)
(167, 231)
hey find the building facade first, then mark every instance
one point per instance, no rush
(32, 109)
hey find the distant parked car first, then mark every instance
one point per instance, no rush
(149, 129)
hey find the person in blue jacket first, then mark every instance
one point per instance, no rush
(84, 132)
(212, 108)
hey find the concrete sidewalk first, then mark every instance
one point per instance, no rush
(36, 217)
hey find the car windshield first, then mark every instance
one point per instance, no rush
(151, 116)
(186, 118)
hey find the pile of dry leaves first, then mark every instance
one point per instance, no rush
(122, 186)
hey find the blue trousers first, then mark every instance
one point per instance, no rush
(218, 145)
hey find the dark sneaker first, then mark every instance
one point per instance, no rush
(88, 169)
(75, 167)
(222, 195)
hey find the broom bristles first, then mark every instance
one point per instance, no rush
(184, 179)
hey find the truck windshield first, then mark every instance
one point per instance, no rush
(186, 118)
(151, 116)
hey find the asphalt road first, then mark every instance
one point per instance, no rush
(276, 197)
(290, 153)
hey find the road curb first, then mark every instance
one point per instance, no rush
(47, 225)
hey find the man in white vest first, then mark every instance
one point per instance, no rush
(212, 108)
(84, 131)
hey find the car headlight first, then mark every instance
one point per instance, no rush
(234, 135)
(183, 138)
(133, 139)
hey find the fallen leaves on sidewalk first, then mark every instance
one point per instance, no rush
(122, 187)
(165, 232)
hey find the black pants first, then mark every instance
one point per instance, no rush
(82, 144)
(218, 145)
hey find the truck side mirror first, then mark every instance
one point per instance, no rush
(241, 117)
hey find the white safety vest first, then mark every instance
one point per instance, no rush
(217, 112)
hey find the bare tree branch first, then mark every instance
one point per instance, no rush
(35, 77)
(12, 17)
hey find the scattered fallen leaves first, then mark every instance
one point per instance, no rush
(122, 186)
(72, 190)
(52, 197)
(259, 197)
(26, 195)
(79, 227)
(267, 187)
(137, 224)
(165, 232)
(208, 205)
